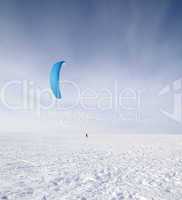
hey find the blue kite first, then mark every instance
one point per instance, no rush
(55, 79)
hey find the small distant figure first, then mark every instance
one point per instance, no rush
(86, 135)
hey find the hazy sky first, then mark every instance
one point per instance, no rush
(112, 48)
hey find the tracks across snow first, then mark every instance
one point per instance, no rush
(78, 169)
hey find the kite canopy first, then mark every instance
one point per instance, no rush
(55, 78)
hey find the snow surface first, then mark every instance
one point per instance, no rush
(141, 167)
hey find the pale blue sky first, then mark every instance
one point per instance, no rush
(134, 43)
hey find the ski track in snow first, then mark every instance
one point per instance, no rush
(88, 170)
